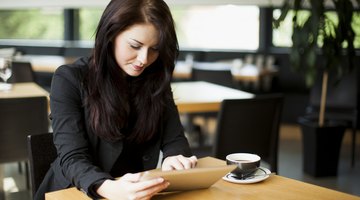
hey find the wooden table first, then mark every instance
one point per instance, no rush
(255, 78)
(28, 89)
(275, 187)
(46, 63)
(236, 77)
(183, 71)
(200, 96)
(49, 63)
(189, 96)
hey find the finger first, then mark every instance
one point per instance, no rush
(143, 185)
(131, 177)
(149, 192)
(131, 197)
(186, 162)
(178, 162)
(193, 160)
(167, 167)
(172, 163)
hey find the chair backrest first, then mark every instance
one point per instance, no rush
(217, 73)
(20, 117)
(250, 126)
(42, 153)
(22, 72)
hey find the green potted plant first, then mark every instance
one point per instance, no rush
(332, 38)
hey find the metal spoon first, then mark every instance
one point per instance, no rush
(249, 176)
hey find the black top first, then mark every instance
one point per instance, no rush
(83, 158)
(129, 161)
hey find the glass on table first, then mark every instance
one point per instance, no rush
(5, 73)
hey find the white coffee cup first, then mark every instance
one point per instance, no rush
(247, 163)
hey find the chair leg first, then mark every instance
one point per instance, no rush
(2, 192)
(198, 130)
(353, 149)
(193, 128)
(20, 167)
(27, 175)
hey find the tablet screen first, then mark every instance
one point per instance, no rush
(190, 179)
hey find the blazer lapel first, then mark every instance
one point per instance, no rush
(109, 153)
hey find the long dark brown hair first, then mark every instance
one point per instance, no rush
(122, 106)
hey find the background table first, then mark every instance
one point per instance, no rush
(46, 63)
(28, 89)
(200, 96)
(49, 63)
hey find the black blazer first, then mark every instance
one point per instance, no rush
(83, 158)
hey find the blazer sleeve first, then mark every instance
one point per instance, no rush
(70, 135)
(174, 141)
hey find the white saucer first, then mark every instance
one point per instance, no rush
(261, 174)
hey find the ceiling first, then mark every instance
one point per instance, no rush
(19, 4)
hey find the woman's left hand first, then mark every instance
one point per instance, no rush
(178, 162)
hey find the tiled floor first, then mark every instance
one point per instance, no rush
(290, 161)
(290, 165)
(15, 183)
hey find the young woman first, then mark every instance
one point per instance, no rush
(113, 113)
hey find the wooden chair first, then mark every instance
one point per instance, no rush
(42, 153)
(250, 126)
(19, 118)
(213, 72)
(218, 73)
(22, 72)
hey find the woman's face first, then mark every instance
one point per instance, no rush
(136, 48)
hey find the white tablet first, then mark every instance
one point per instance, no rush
(190, 179)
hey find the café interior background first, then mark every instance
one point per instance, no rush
(208, 31)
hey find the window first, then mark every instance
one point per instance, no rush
(89, 19)
(227, 27)
(217, 27)
(356, 27)
(45, 24)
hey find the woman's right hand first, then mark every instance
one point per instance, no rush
(129, 187)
